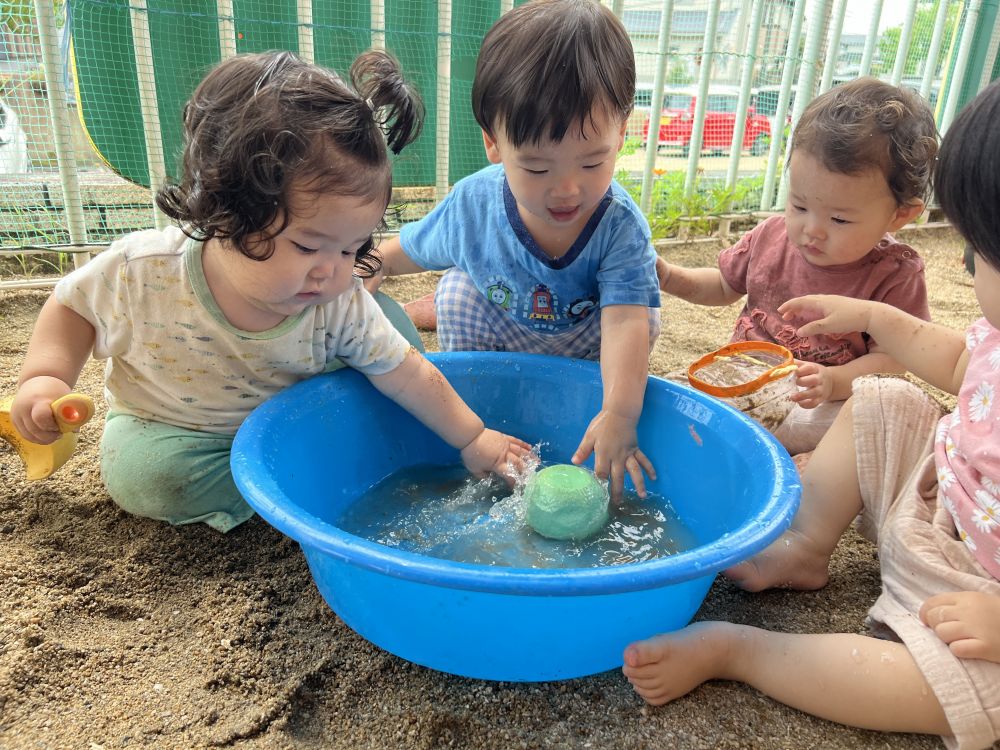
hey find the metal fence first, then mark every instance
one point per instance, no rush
(91, 93)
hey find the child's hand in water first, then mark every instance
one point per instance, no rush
(494, 452)
(613, 441)
(968, 621)
(816, 383)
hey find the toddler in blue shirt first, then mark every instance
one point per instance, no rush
(547, 254)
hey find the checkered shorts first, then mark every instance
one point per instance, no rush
(467, 321)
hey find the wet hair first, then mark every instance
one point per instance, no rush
(868, 124)
(967, 180)
(259, 124)
(546, 65)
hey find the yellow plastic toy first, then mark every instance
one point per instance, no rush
(71, 411)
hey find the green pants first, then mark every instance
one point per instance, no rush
(159, 471)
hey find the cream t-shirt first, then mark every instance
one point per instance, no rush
(172, 355)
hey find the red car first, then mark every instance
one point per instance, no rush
(677, 119)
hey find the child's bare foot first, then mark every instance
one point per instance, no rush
(668, 666)
(422, 313)
(793, 561)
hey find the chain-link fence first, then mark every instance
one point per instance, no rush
(91, 93)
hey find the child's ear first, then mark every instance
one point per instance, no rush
(905, 214)
(492, 149)
(621, 135)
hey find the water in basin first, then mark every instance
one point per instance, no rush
(442, 512)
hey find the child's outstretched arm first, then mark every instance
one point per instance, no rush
(611, 435)
(421, 389)
(701, 286)
(60, 345)
(968, 621)
(395, 262)
(932, 352)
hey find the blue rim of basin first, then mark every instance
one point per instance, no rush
(266, 497)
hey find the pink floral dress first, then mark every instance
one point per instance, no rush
(967, 450)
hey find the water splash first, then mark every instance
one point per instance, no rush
(443, 512)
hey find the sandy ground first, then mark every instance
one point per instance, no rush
(117, 631)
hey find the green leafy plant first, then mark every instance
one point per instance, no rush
(631, 146)
(671, 207)
(23, 227)
(29, 265)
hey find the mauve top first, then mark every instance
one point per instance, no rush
(767, 267)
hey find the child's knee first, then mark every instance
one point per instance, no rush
(802, 429)
(169, 474)
(177, 498)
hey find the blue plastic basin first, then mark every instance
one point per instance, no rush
(301, 458)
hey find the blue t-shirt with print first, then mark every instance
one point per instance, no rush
(478, 229)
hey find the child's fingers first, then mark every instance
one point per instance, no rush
(617, 483)
(799, 306)
(807, 401)
(809, 380)
(791, 307)
(41, 437)
(515, 461)
(39, 425)
(509, 470)
(812, 328)
(950, 631)
(810, 395)
(948, 624)
(969, 648)
(930, 610)
(930, 614)
(602, 466)
(583, 452)
(810, 403)
(634, 469)
(939, 613)
(645, 463)
(526, 447)
(43, 418)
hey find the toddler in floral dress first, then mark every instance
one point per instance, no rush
(927, 489)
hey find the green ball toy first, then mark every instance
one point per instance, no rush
(565, 502)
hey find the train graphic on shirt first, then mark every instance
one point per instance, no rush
(540, 309)
(500, 294)
(542, 304)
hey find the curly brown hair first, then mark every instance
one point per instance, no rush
(869, 124)
(259, 123)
